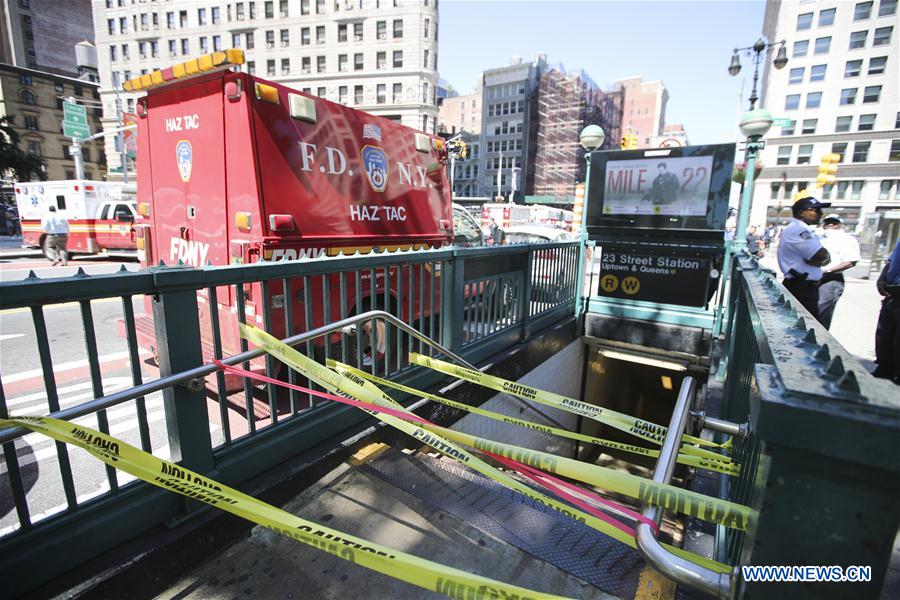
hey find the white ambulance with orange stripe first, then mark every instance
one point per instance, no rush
(101, 214)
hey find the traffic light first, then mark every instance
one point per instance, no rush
(623, 143)
(458, 149)
(629, 141)
(827, 169)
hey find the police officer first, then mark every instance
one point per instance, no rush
(801, 254)
(887, 335)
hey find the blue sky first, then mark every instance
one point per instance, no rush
(687, 45)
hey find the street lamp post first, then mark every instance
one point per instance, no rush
(591, 139)
(754, 125)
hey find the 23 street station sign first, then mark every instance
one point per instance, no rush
(661, 277)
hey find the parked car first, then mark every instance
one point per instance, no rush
(466, 231)
(552, 273)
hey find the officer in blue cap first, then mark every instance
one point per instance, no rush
(801, 254)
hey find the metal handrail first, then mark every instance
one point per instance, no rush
(676, 568)
(196, 373)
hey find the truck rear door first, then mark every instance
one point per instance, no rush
(185, 134)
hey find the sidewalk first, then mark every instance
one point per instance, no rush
(856, 314)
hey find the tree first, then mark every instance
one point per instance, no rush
(13, 160)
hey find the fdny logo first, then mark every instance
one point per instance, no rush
(184, 155)
(376, 167)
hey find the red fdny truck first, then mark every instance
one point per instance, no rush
(232, 168)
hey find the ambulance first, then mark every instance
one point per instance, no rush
(102, 215)
(234, 169)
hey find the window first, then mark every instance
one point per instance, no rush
(342, 32)
(217, 43)
(304, 36)
(425, 61)
(894, 154)
(398, 28)
(814, 100)
(852, 68)
(343, 97)
(861, 151)
(214, 12)
(887, 7)
(251, 43)
(789, 128)
(882, 36)
(320, 64)
(185, 46)
(427, 28)
(123, 25)
(285, 38)
(112, 53)
(822, 45)
(58, 87)
(320, 7)
(34, 147)
(801, 48)
(201, 16)
(826, 17)
(877, 64)
(270, 39)
(381, 30)
(31, 122)
(320, 92)
(792, 102)
(804, 21)
(784, 155)
(885, 192)
(283, 8)
(848, 96)
(398, 59)
(871, 94)
(182, 18)
(381, 60)
(862, 11)
(775, 187)
(270, 67)
(856, 189)
(253, 10)
(357, 32)
(170, 20)
(154, 49)
(397, 93)
(839, 148)
(358, 61)
(28, 97)
(866, 123)
(858, 39)
(817, 72)
(304, 7)
(285, 66)
(306, 65)
(111, 26)
(809, 125)
(204, 45)
(342, 63)
(251, 67)
(897, 121)
(269, 9)
(796, 75)
(804, 154)
(357, 94)
(320, 34)
(126, 55)
(842, 124)
(235, 40)
(842, 189)
(381, 93)
(238, 11)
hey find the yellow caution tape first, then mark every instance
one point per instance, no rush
(723, 465)
(638, 427)
(169, 476)
(365, 391)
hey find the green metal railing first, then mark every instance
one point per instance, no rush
(476, 302)
(819, 463)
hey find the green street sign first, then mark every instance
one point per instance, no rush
(76, 130)
(75, 114)
(781, 122)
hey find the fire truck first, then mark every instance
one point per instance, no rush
(102, 215)
(232, 168)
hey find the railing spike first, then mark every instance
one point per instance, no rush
(800, 324)
(810, 337)
(835, 367)
(122, 269)
(822, 354)
(788, 305)
(80, 273)
(32, 275)
(780, 299)
(849, 383)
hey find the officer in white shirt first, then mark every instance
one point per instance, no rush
(801, 254)
(844, 251)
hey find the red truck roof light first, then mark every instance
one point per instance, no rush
(203, 64)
